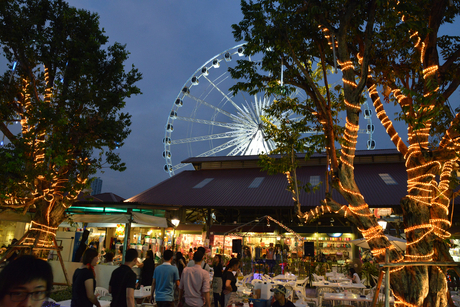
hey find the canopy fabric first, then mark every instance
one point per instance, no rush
(15, 217)
(139, 220)
(398, 242)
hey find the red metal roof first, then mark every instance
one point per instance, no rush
(230, 187)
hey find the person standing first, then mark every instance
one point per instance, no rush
(147, 268)
(123, 281)
(180, 263)
(165, 280)
(217, 279)
(194, 285)
(84, 281)
(229, 282)
(204, 265)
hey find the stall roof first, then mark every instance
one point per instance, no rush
(252, 187)
(138, 220)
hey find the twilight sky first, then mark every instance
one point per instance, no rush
(169, 40)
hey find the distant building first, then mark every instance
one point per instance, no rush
(96, 186)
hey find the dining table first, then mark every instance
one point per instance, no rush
(67, 303)
(285, 277)
(342, 285)
(352, 297)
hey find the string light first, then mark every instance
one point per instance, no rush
(351, 83)
(352, 105)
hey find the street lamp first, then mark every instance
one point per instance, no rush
(175, 222)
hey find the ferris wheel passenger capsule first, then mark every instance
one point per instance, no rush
(167, 141)
(241, 51)
(215, 63)
(169, 128)
(179, 102)
(204, 71)
(166, 154)
(173, 115)
(370, 144)
(168, 168)
(228, 57)
(195, 80)
(367, 113)
(370, 129)
(185, 90)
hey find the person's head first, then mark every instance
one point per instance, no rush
(131, 255)
(26, 281)
(202, 250)
(352, 271)
(168, 254)
(198, 256)
(233, 264)
(108, 257)
(178, 255)
(121, 249)
(149, 254)
(279, 292)
(90, 257)
(217, 259)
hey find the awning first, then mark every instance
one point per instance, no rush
(138, 220)
(15, 217)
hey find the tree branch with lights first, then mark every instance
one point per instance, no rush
(394, 49)
(63, 92)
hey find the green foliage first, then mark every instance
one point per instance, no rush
(62, 294)
(68, 91)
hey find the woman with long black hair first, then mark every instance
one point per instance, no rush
(217, 279)
(229, 282)
(180, 263)
(147, 268)
(84, 281)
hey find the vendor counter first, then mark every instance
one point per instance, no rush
(103, 272)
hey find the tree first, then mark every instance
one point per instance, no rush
(392, 49)
(61, 102)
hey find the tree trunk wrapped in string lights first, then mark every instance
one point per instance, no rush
(60, 108)
(391, 50)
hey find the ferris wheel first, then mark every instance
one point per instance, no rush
(206, 119)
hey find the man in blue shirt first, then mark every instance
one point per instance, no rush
(165, 279)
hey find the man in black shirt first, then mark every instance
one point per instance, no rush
(123, 281)
(280, 297)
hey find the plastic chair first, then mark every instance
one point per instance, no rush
(321, 290)
(101, 291)
(307, 300)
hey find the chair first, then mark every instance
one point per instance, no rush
(320, 292)
(103, 294)
(289, 292)
(247, 278)
(147, 289)
(300, 285)
(101, 291)
(307, 300)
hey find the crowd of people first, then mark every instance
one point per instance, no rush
(27, 281)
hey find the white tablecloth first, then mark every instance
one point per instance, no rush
(338, 285)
